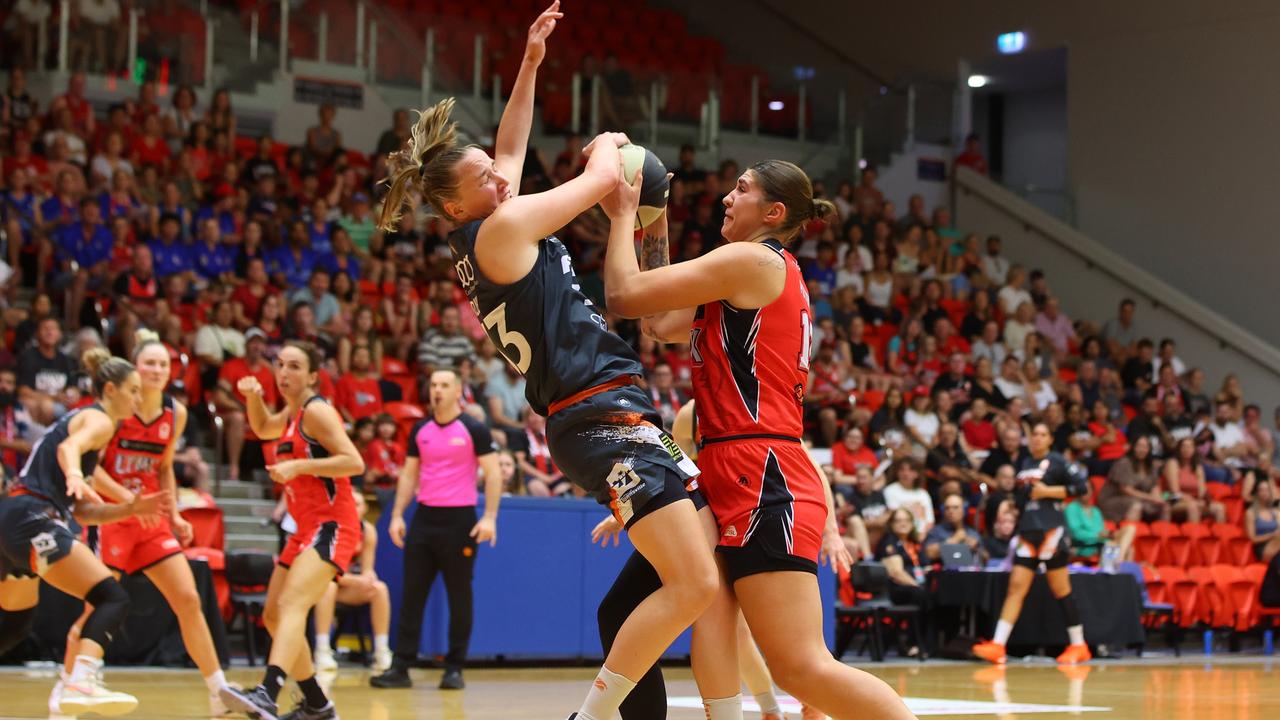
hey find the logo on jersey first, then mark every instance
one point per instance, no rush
(164, 431)
(127, 464)
(623, 402)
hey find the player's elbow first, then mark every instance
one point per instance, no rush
(621, 301)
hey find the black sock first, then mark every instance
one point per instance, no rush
(312, 695)
(273, 681)
(1070, 612)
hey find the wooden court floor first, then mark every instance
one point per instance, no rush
(1194, 689)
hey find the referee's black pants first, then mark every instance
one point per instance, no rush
(438, 541)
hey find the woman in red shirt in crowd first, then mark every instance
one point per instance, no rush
(384, 456)
(1114, 443)
(150, 147)
(848, 455)
(400, 317)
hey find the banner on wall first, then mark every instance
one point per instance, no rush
(319, 91)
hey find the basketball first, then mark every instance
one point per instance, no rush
(654, 186)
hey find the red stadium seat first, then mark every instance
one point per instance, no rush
(208, 527)
(1181, 551)
(405, 414)
(1209, 549)
(1237, 551)
(1148, 549)
(1096, 482)
(1218, 611)
(1239, 593)
(1184, 594)
(1220, 491)
(1165, 529)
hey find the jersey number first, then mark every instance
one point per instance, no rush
(806, 339)
(497, 318)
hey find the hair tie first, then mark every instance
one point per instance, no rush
(427, 156)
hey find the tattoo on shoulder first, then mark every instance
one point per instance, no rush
(773, 262)
(654, 252)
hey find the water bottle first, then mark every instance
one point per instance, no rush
(1110, 558)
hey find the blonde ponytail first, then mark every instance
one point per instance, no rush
(426, 163)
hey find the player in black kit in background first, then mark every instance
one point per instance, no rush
(601, 428)
(37, 542)
(1045, 480)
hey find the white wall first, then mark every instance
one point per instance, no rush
(1035, 147)
(1174, 159)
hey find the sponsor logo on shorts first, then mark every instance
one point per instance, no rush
(44, 544)
(171, 544)
(743, 481)
(731, 532)
(670, 444)
(624, 483)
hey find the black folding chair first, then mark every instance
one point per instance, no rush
(248, 574)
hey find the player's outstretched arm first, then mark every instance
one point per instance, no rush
(517, 120)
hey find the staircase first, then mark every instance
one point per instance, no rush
(246, 508)
(232, 67)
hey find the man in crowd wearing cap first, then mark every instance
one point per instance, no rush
(244, 449)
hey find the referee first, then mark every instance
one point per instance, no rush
(444, 453)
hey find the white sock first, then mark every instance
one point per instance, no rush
(1076, 633)
(606, 694)
(768, 702)
(1003, 631)
(215, 682)
(85, 668)
(322, 642)
(380, 643)
(729, 708)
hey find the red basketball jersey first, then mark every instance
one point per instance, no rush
(313, 499)
(133, 456)
(750, 366)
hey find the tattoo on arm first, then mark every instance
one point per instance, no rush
(654, 252)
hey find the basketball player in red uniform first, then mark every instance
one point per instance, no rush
(745, 311)
(314, 462)
(139, 461)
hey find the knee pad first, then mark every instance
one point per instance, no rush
(110, 608)
(14, 626)
(1069, 609)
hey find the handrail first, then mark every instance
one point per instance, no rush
(1099, 257)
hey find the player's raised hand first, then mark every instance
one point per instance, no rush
(536, 47)
(249, 385)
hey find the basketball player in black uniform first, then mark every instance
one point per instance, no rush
(37, 541)
(602, 429)
(1045, 480)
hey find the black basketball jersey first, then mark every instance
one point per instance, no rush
(543, 324)
(43, 476)
(1053, 470)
